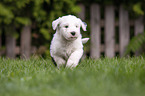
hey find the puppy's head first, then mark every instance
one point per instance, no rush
(69, 26)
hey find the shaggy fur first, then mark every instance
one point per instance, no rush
(67, 43)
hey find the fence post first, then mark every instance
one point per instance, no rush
(123, 30)
(10, 43)
(95, 31)
(82, 13)
(25, 47)
(109, 31)
(138, 28)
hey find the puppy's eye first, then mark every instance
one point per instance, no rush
(77, 26)
(66, 26)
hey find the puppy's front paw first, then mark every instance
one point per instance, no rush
(71, 64)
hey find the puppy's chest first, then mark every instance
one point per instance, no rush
(66, 51)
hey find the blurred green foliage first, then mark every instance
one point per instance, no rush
(136, 43)
(137, 8)
(38, 12)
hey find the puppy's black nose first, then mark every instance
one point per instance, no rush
(73, 33)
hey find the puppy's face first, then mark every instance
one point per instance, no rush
(69, 27)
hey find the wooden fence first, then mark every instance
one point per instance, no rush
(109, 24)
(11, 49)
(96, 23)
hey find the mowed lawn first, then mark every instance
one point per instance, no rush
(102, 77)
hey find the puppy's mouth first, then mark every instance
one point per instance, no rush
(72, 38)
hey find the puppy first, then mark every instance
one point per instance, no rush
(66, 47)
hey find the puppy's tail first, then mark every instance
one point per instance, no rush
(85, 40)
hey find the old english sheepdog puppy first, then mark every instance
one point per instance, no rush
(66, 47)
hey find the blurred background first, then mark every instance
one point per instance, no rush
(115, 27)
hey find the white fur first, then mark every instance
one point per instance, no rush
(67, 49)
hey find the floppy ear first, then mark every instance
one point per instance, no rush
(83, 25)
(55, 23)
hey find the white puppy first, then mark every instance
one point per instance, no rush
(67, 44)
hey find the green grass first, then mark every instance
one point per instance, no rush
(102, 77)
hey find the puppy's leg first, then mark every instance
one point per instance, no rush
(59, 61)
(74, 58)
